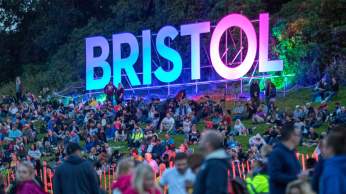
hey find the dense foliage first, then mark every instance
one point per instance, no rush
(43, 40)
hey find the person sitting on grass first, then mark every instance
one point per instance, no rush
(312, 138)
(231, 143)
(194, 135)
(260, 115)
(240, 128)
(167, 124)
(320, 91)
(257, 141)
(332, 90)
(136, 137)
(239, 111)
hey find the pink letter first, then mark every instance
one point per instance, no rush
(225, 23)
(264, 64)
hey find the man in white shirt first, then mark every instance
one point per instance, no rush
(180, 178)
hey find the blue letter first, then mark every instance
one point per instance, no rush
(125, 63)
(92, 62)
(146, 42)
(169, 54)
(195, 30)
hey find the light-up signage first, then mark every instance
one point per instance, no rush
(194, 30)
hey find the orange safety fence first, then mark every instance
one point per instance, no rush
(107, 177)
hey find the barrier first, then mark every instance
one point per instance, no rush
(107, 176)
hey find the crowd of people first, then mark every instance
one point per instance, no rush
(78, 140)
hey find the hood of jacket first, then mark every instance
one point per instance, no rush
(218, 154)
(74, 160)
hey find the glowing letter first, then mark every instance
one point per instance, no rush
(195, 30)
(225, 23)
(169, 54)
(264, 64)
(146, 42)
(125, 63)
(92, 62)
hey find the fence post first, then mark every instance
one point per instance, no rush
(45, 176)
(239, 170)
(105, 180)
(233, 169)
(243, 170)
(303, 161)
(50, 175)
(109, 179)
(248, 166)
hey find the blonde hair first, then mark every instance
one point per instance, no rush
(27, 165)
(124, 167)
(303, 186)
(141, 173)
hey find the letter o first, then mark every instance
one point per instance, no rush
(226, 22)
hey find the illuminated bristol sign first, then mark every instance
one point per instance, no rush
(194, 30)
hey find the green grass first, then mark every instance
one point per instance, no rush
(288, 102)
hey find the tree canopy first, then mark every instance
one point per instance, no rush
(43, 41)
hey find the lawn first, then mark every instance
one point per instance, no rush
(296, 97)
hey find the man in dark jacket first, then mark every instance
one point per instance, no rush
(75, 175)
(213, 175)
(333, 179)
(284, 166)
(255, 92)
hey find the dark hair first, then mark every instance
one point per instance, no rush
(311, 163)
(72, 148)
(286, 132)
(195, 160)
(180, 156)
(336, 139)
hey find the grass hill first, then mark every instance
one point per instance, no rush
(288, 102)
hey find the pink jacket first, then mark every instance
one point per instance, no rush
(29, 187)
(133, 191)
(123, 183)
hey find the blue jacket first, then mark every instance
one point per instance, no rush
(333, 179)
(284, 167)
(213, 175)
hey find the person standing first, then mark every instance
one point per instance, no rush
(255, 92)
(180, 178)
(120, 93)
(213, 175)
(123, 175)
(143, 181)
(19, 89)
(333, 178)
(270, 92)
(75, 175)
(25, 181)
(110, 90)
(284, 166)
